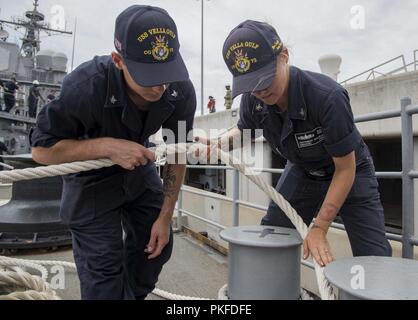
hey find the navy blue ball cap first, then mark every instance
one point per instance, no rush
(146, 37)
(250, 52)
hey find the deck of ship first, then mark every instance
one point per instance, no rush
(193, 270)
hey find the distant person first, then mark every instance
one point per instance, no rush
(212, 105)
(10, 88)
(33, 99)
(3, 150)
(2, 86)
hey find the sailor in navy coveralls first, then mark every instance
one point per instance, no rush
(307, 119)
(120, 217)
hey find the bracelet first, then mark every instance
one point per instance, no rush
(316, 226)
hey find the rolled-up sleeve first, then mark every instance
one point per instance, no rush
(70, 116)
(246, 122)
(340, 133)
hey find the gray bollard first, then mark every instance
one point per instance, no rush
(374, 278)
(264, 263)
(31, 219)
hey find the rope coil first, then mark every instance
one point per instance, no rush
(23, 285)
(325, 289)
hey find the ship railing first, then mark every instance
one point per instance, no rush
(373, 73)
(28, 82)
(407, 175)
(416, 60)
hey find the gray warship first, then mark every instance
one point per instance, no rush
(27, 63)
(30, 220)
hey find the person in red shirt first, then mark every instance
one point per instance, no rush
(212, 104)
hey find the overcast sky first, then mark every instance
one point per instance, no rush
(310, 28)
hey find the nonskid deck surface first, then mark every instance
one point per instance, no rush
(193, 270)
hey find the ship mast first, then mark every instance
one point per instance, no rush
(33, 25)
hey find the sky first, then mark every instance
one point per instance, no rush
(364, 33)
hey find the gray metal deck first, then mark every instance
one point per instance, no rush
(193, 270)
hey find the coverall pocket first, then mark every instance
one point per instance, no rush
(366, 188)
(78, 201)
(291, 183)
(153, 182)
(314, 153)
(108, 194)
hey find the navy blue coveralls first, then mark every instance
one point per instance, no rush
(9, 95)
(99, 204)
(318, 126)
(33, 101)
(3, 149)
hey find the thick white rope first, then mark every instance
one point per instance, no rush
(325, 289)
(34, 287)
(24, 286)
(75, 167)
(39, 288)
(53, 171)
(20, 263)
(172, 296)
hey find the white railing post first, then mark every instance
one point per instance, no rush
(235, 197)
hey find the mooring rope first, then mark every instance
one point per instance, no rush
(38, 288)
